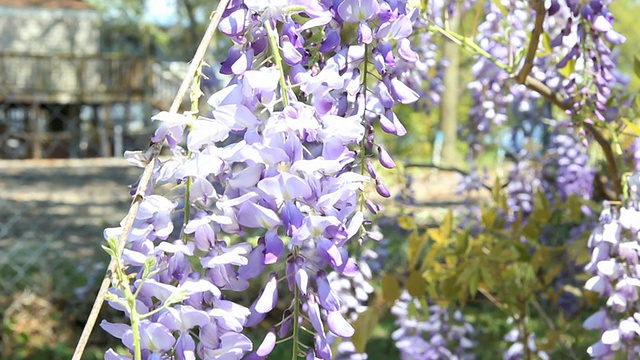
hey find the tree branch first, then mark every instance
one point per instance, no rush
(533, 42)
(146, 178)
(447, 168)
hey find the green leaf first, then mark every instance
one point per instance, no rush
(416, 243)
(406, 222)
(487, 277)
(470, 277)
(390, 288)
(416, 286)
(489, 216)
(546, 45)
(634, 127)
(364, 326)
(568, 69)
(462, 243)
(636, 64)
(447, 224)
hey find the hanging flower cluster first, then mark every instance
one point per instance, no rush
(615, 254)
(282, 158)
(587, 36)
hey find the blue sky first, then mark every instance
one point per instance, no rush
(161, 12)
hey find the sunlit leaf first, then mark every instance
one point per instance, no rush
(568, 69)
(406, 222)
(633, 126)
(416, 243)
(462, 242)
(489, 216)
(546, 46)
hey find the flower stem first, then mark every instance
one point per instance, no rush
(469, 45)
(135, 327)
(278, 61)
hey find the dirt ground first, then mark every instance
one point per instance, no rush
(52, 213)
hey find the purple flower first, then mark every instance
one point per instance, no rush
(358, 10)
(269, 297)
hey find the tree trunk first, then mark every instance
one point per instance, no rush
(449, 105)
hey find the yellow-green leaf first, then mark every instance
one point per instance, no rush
(568, 69)
(437, 236)
(634, 127)
(416, 286)
(390, 288)
(406, 222)
(416, 243)
(489, 216)
(447, 224)
(462, 243)
(546, 46)
(364, 326)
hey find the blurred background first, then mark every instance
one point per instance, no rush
(79, 81)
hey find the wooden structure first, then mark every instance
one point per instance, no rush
(58, 92)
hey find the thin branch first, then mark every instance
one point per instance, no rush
(533, 42)
(446, 168)
(146, 178)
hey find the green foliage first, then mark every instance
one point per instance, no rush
(390, 288)
(626, 13)
(364, 327)
(502, 270)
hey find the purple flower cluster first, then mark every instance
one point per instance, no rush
(566, 167)
(523, 183)
(588, 36)
(281, 157)
(615, 255)
(177, 301)
(438, 334)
